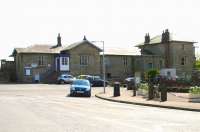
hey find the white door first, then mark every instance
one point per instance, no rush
(64, 63)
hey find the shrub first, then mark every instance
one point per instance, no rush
(143, 86)
(152, 73)
(194, 90)
(178, 90)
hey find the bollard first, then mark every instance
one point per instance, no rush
(163, 89)
(116, 89)
(129, 85)
(150, 92)
(133, 87)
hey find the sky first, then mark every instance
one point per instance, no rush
(119, 23)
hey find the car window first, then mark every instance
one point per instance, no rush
(69, 76)
(97, 78)
(82, 77)
(81, 82)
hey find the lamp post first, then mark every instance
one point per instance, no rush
(103, 66)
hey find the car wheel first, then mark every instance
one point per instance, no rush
(89, 94)
(62, 81)
(72, 94)
(92, 85)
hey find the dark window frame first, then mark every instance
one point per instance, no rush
(125, 61)
(64, 61)
(84, 60)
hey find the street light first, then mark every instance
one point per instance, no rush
(103, 66)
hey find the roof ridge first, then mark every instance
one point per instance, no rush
(70, 46)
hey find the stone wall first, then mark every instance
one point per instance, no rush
(118, 67)
(93, 67)
(142, 64)
(7, 71)
(31, 61)
(177, 51)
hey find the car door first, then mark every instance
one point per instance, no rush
(65, 78)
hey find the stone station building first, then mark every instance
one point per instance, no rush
(43, 63)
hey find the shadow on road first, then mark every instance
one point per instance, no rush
(77, 95)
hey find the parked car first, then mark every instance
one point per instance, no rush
(80, 86)
(87, 77)
(98, 82)
(65, 78)
(129, 79)
(95, 81)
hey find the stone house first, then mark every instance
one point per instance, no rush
(121, 63)
(177, 54)
(118, 62)
(43, 63)
(84, 58)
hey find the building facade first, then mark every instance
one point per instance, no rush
(40, 63)
(177, 54)
(43, 63)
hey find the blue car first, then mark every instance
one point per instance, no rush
(80, 86)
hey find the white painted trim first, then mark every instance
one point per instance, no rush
(64, 67)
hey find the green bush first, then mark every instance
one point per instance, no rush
(197, 64)
(152, 73)
(194, 90)
(178, 90)
(143, 86)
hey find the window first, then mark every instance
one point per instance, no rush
(108, 75)
(125, 60)
(64, 61)
(27, 71)
(183, 60)
(150, 65)
(161, 64)
(41, 60)
(84, 60)
(138, 64)
(183, 47)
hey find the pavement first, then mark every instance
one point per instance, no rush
(48, 108)
(178, 101)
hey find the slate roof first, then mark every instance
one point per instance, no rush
(157, 40)
(49, 49)
(71, 46)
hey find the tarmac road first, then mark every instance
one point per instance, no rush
(47, 108)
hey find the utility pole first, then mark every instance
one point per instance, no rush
(103, 67)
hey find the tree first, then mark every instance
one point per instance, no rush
(197, 64)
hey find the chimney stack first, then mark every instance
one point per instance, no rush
(165, 36)
(147, 38)
(59, 41)
(84, 38)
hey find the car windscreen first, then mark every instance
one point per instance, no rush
(97, 78)
(81, 82)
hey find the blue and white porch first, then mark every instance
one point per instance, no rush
(62, 62)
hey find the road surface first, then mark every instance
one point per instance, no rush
(47, 108)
